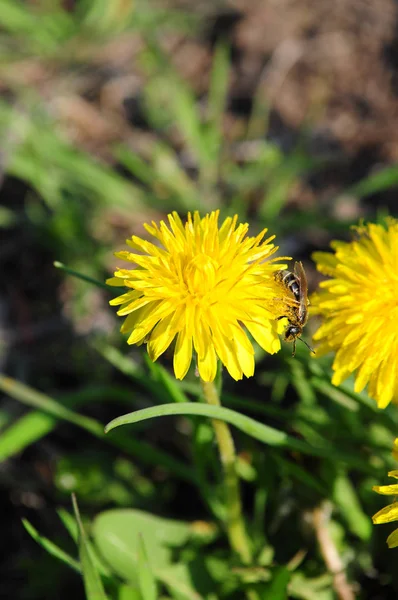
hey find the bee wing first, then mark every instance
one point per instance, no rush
(302, 279)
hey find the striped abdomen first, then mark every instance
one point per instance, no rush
(290, 281)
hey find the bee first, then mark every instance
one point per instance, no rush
(296, 283)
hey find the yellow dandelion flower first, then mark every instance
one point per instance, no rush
(206, 286)
(389, 513)
(359, 306)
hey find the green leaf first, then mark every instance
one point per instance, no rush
(127, 592)
(146, 579)
(319, 588)
(277, 590)
(178, 582)
(8, 217)
(50, 547)
(117, 536)
(92, 580)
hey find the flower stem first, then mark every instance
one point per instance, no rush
(236, 529)
(327, 546)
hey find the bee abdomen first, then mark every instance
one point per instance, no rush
(289, 280)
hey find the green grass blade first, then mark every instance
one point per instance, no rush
(215, 114)
(50, 547)
(123, 363)
(346, 498)
(165, 173)
(334, 393)
(280, 182)
(69, 523)
(31, 397)
(353, 401)
(31, 427)
(146, 579)
(69, 271)
(72, 528)
(167, 383)
(24, 432)
(218, 87)
(250, 426)
(300, 382)
(147, 453)
(259, 431)
(376, 182)
(161, 385)
(301, 475)
(135, 164)
(183, 107)
(92, 580)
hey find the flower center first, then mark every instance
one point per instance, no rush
(200, 275)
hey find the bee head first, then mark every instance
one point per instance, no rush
(292, 332)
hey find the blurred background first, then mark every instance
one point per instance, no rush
(113, 113)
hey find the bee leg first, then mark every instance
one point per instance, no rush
(294, 349)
